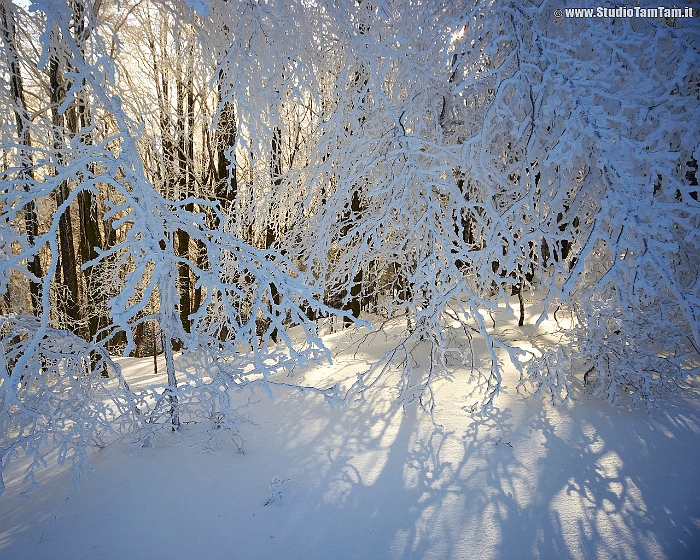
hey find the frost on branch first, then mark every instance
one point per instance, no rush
(454, 157)
(60, 389)
(228, 179)
(635, 289)
(54, 396)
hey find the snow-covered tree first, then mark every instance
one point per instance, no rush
(493, 146)
(238, 169)
(623, 95)
(42, 359)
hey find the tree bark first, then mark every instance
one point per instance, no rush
(69, 268)
(225, 185)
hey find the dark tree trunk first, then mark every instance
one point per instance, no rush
(182, 239)
(225, 185)
(90, 239)
(69, 268)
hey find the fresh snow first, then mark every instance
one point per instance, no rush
(421, 159)
(530, 479)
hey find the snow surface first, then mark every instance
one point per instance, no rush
(372, 480)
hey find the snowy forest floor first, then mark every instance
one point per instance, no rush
(372, 480)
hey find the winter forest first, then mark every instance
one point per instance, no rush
(217, 188)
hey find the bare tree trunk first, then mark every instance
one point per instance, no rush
(182, 238)
(90, 237)
(172, 382)
(69, 268)
(521, 320)
(167, 319)
(226, 185)
(154, 339)
(270, 233)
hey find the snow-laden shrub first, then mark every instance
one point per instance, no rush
(630, 89)
(58, 393)
(423, 161)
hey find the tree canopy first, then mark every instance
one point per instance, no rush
(205, 176)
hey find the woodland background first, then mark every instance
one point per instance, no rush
(204, 178)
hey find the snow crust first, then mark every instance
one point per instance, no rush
(299, 479)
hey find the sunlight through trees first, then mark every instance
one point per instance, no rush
(215, 178)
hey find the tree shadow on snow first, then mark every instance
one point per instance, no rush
(589, 481)
(527, 480)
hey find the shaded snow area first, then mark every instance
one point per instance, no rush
(528, 479)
